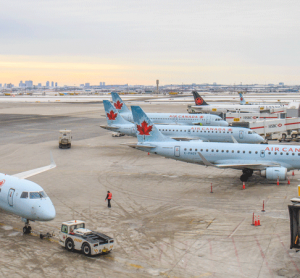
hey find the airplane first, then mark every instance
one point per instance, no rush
(115, 122)
(203, 106)
(270, 161)
(242, 99)
(26, 198)
(170, 118)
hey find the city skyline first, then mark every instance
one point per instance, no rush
(174, 41)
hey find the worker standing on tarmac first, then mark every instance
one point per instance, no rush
(108, 198)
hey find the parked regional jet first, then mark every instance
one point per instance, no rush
(203, 106)
(117, 123)
(271, 162)
(170, 118)
(26, 198)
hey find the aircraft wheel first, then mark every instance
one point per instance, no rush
(86, 249)
(29, 229)
(69, 244)
(25, 230)
(244, 178)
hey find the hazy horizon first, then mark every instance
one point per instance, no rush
(74, 42)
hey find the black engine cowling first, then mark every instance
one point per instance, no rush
(272, 173)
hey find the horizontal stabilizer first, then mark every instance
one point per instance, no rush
(135, 146)
(186, 139)
(109, 127)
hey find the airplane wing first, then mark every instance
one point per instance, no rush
(239, 166)
(27, 174)
(186, 138)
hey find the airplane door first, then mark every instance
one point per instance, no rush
(207, 119)
(241, 134)
(177, 151)
(10, 196)
(175, 120)
(262, 153)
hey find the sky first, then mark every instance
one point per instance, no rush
(136, 42)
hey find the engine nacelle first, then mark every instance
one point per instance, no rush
(272, 173)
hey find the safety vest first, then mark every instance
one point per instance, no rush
(109, 195)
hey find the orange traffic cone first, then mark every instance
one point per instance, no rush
(277, 181)
(293, 173)
(255, 222)
(148, 153)
(258, 221)
(244, 187)
(289, 181)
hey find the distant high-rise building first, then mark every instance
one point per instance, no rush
(55, 84)
(81, 85)
(281, 83)
(87, 85)
(103, 84)
(21, 84)
(40, 85)
(4, 85)
(29, 84)
(0, 85)
(100, 83)
(52, 84)
(9, 85)
(47, 84)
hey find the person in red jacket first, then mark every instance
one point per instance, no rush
(108, 198)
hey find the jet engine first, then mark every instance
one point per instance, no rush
(272, 173)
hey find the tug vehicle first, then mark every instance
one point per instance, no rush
(65, 138)
(74, 236)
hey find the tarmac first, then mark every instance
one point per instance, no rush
(164, 219)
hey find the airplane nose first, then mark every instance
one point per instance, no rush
(259, 139)
(48, 212)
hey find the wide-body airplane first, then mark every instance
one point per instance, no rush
(26, 198)
(170, 118)
(117, 123)
(202, 106)
(271, 161)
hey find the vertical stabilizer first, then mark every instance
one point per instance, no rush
(112, 114)
(198, 99)
(146, 131)
(119, 104)
(242, 100)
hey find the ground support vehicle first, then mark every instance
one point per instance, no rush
(74, 236)
(65, 138)
(117, 134)
(293, 136)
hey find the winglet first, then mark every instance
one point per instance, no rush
(206, 162)
(53, 165)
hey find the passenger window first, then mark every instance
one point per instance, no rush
(293, 154)
(269, 152)
(232, 151)
(212, 151)
(207, 150)
(275, 153)
(249, 151)
(243, 151)
(227, 151)
(287, 153)
(222, 151)
(191, 150)
(202, 150)
(208, 131)
(256, 152)
(185, 149)
(217, 151)
(24, 195)
(64, 229)
(196, 150)
(298, 154)
(281, 153)
(238, 151)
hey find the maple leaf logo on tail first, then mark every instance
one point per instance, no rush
(242, 99)
(199, 100)
(118, 105)
(111, 115)
(144, 129)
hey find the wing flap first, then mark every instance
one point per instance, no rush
(135, 146)
(27, 174)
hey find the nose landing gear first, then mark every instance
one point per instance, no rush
(247, 173)
(27, 228)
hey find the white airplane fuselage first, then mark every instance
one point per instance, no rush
(181, 119)
(204, 133)
(33, 207)
(287, 156)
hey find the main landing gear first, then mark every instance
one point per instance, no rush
(247, 173)
(27, 228)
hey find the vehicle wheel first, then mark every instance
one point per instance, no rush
(283, 136)
(60, 146)
(29, 229)
(294, 136)
(69, 244)
(86, 249)
(41, 236)
(25, 230)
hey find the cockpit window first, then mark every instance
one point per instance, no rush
(24, 195)
(38, 195)
(250, 132)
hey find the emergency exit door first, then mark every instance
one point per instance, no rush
(241, 134)
(177, 151)
(10, 196)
